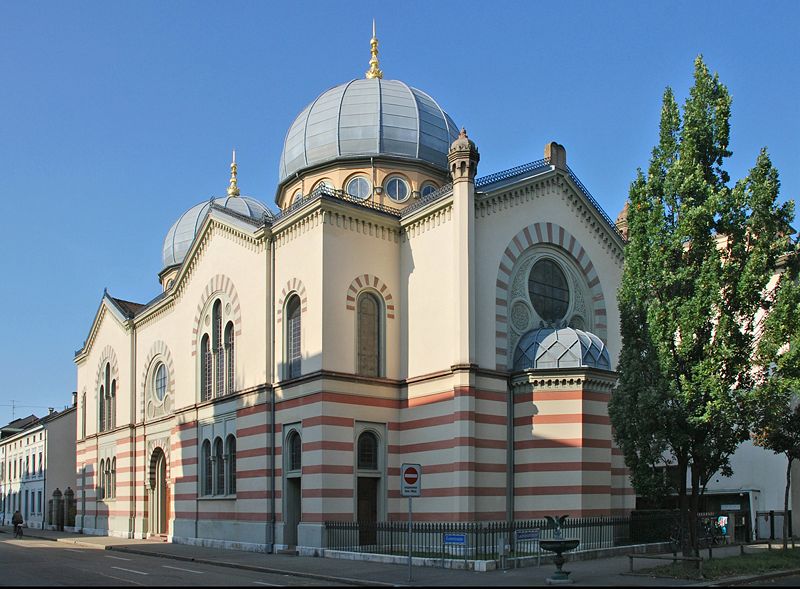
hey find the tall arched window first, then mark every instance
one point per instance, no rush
(205, 369)
(83, 415)
(101, 479)
(229, 357)
(207, 470)
(113, 405)
(294, 452)
(113, 486)
(293, 333)
(368, 451)
(102, 396)
(369, 335)
(219, 465)
(219, 352)
(230, 456)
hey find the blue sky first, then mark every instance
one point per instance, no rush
(115, 117)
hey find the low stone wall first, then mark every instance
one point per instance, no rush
(491, 565)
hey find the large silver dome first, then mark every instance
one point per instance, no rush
(560, 348)
(368, 117)
(181, 235)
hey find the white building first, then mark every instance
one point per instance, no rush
(37, 456)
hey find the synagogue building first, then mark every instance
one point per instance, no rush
(397, 308)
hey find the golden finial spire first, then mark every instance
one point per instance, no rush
(374, 71)
(233, 188)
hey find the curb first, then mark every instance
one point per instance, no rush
(250, 567)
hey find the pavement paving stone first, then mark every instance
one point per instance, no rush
(613, 571)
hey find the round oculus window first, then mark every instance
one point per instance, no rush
(548, 289)
(160, 382)
(358, 188)
(397, 189)
(427, 189)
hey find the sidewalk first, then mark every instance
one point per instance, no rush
(601, 572)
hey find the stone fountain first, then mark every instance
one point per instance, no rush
(558, 544)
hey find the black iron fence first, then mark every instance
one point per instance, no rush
(486, 540)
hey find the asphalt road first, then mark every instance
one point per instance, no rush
(33, 562)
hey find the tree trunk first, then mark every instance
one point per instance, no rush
(683, 466)
(693, 509)
(786, 504)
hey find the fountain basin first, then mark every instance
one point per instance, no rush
(559, 546)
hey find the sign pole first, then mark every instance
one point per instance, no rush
(409, 539)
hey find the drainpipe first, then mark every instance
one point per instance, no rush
(271, 358)
(510, 455)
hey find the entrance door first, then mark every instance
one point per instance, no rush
(292, 514)
(367, 510)
(158, 492)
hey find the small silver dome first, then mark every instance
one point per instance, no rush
(181, 235)
(560, 348)
(368, 117)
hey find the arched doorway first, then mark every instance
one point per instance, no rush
(159, 494)
(292, 506)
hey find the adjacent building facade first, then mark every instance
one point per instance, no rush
(397, 308)
(37, 456)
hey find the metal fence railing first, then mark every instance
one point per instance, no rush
(485, 540)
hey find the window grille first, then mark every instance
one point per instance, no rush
(368, 335)
(295, 451)
(219, 459)
(229, 357)
(205, 369)
(113, 405)
(231, 460)
(293, 334)
(113, 485)
(367, 451)
(548, 289)
(219, 357)
(207, 474)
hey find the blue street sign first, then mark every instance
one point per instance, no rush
(455, 538)
(528, 534)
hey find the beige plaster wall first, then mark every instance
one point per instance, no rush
(362, 252)
(427, 289)
(512, 211)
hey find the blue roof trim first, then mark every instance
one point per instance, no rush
(544, 165)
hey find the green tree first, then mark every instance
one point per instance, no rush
(698, 258)
(777, 425)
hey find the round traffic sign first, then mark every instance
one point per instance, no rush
(411, 475)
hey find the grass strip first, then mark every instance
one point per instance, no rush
(763, 561)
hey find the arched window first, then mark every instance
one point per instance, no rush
(219, 465)
(113, 405)
(101, 479)
(219, 353)
(369, 335)
(293, 349)
(108, 396)
(427, 189)
(83, 415)
(113, 485)
(368, 451)
(205, 369)
(230, 456)
(207, 470)
(295, 451)
(229, 357)
(102, 408)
